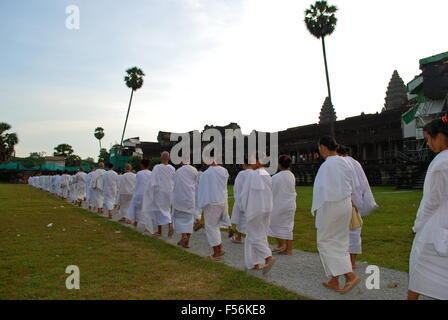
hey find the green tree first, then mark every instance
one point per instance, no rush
(63, 150)
(99, 134)
(134, 81)
(73, 161)
(88, 161)
(36, 159)
(104, 156)
(7, 142)
(320, 20)
(135, 162)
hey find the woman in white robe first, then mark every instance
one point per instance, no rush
(81, 186)
(362, 199)
(65, 185)
(126, 187)
(97, 188)
(110, 186)
(332, 190)
(284, 206)
(184, 202)
(256, 203)
(213, 200)
(428, 264)
(159, 194)
(135, 213)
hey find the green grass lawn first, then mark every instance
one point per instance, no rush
(115, 262)
(387, 235)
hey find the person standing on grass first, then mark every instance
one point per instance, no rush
(238, 218)
(428, 263)
(126, 186)
(332, 192)
(158, 196)
(184, 201)
(362, 199)
(284, 206)
(97, 188)
(135, 213)
(256, 203)
(213, 200)
(110, 187)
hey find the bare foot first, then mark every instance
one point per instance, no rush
(278, 249)
(269, 263)
(350, 282)
(285, 253)
(333, 284)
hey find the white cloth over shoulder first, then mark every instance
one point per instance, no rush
(110, 187)
(158, 196)
(212, 190)
(97, 188)
(332, 192)
(97, 181)
(284, 205)
(126, 183)
(213, 186)
(184, 194)
(126, 186)
(256, 195)
(334, 182)
(256, 203)
(428, 266)
(362, 196)
(143, 178)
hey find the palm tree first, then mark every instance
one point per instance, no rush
(99, 134)
(63, 150)
(320, 20)
(7, 142)
(133, 80)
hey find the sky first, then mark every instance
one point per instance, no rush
(207, 62)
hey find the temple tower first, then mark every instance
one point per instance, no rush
(327, 113)
(396, 95)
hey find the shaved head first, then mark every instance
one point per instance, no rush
(128, 167)
(101, 165)
(165, 156)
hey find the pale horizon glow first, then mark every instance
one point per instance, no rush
(208, 62)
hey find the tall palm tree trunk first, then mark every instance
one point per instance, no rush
(126, 122)
(328, 83)
(124, 130)
(100, 143)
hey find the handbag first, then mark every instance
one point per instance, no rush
(356, 220)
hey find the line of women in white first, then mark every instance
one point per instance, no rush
(265, 206)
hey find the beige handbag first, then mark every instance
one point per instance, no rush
(356, 220)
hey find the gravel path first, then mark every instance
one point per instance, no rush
(301, 273)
